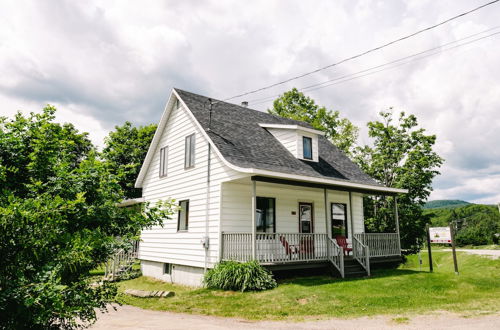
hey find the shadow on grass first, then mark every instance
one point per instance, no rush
(322, 279)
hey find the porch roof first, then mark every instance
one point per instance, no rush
(328, 184)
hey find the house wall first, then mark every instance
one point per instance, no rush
(165, 244)
(236, 213)
(300, 145)
(287, 137)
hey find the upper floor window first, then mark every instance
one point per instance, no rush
(163, 161)
(307, 147)
(189, 151)
(183, 219)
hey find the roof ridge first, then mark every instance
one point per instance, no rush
(298, 122)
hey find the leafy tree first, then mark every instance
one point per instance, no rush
(58, 220)
(477, 224)
(125, 151)
(401, 156)
(295, 105)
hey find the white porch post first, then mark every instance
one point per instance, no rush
(396, 220)
(326, 222)
(254, 227)
(325, 197)
(350, 215)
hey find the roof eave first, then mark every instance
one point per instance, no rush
(154, 143)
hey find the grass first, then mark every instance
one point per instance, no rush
(401, 291)
(401, 320)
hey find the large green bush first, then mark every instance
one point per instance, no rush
(237, 276)
(58, 221)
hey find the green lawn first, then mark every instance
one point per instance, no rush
(399, 291)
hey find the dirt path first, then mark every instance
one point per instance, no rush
(128, 317)
(492, 253)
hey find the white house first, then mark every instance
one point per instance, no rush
(251, 185)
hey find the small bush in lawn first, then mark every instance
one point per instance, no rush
(237, 276)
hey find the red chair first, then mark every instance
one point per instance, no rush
(289, 249)
(342, 241)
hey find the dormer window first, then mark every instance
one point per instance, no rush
(307, 147)
(302, 142)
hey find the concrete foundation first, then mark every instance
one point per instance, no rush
(179, 274)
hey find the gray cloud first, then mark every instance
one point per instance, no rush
(116, 61)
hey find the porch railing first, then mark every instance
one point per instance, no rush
(336, 255)
(237, 246)
(121, 262)
(381, 244)
(361, 253)
(275, 248)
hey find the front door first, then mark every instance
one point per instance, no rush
(306, 218)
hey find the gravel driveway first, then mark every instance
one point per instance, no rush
(492, 253)
(128, 317)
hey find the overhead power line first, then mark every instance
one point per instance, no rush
(386, 66)
(363, 53)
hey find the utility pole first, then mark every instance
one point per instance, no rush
(453, 226)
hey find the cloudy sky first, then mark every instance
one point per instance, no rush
(104, 62)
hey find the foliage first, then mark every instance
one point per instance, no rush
(295, 105)
(409, 290)
(58, 221)
(402, 156)
(232, 275)
(124, 153)
(446, 203)
(477, 224)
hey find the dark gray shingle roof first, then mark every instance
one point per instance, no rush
(236, 132)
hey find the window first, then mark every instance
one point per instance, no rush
(265, 215)
(307, 147)
(189, 151)
(163, 161)
(167, 268)
(176, 104)
(182, 222)
(339, 219)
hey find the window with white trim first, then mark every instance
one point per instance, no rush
(307, 150)
(189, 151)
(183, 217)
(163, 161)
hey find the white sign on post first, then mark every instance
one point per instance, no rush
(440, 234)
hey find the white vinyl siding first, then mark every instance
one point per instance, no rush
(165, 244)
(287, 137)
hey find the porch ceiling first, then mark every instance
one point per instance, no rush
(339, 187)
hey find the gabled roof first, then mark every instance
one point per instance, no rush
(238, 137)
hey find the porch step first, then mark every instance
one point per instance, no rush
(352, 268)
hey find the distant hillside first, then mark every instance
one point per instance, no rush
(478, 224)
(445, 203)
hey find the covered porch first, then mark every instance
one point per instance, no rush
(317, 223)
